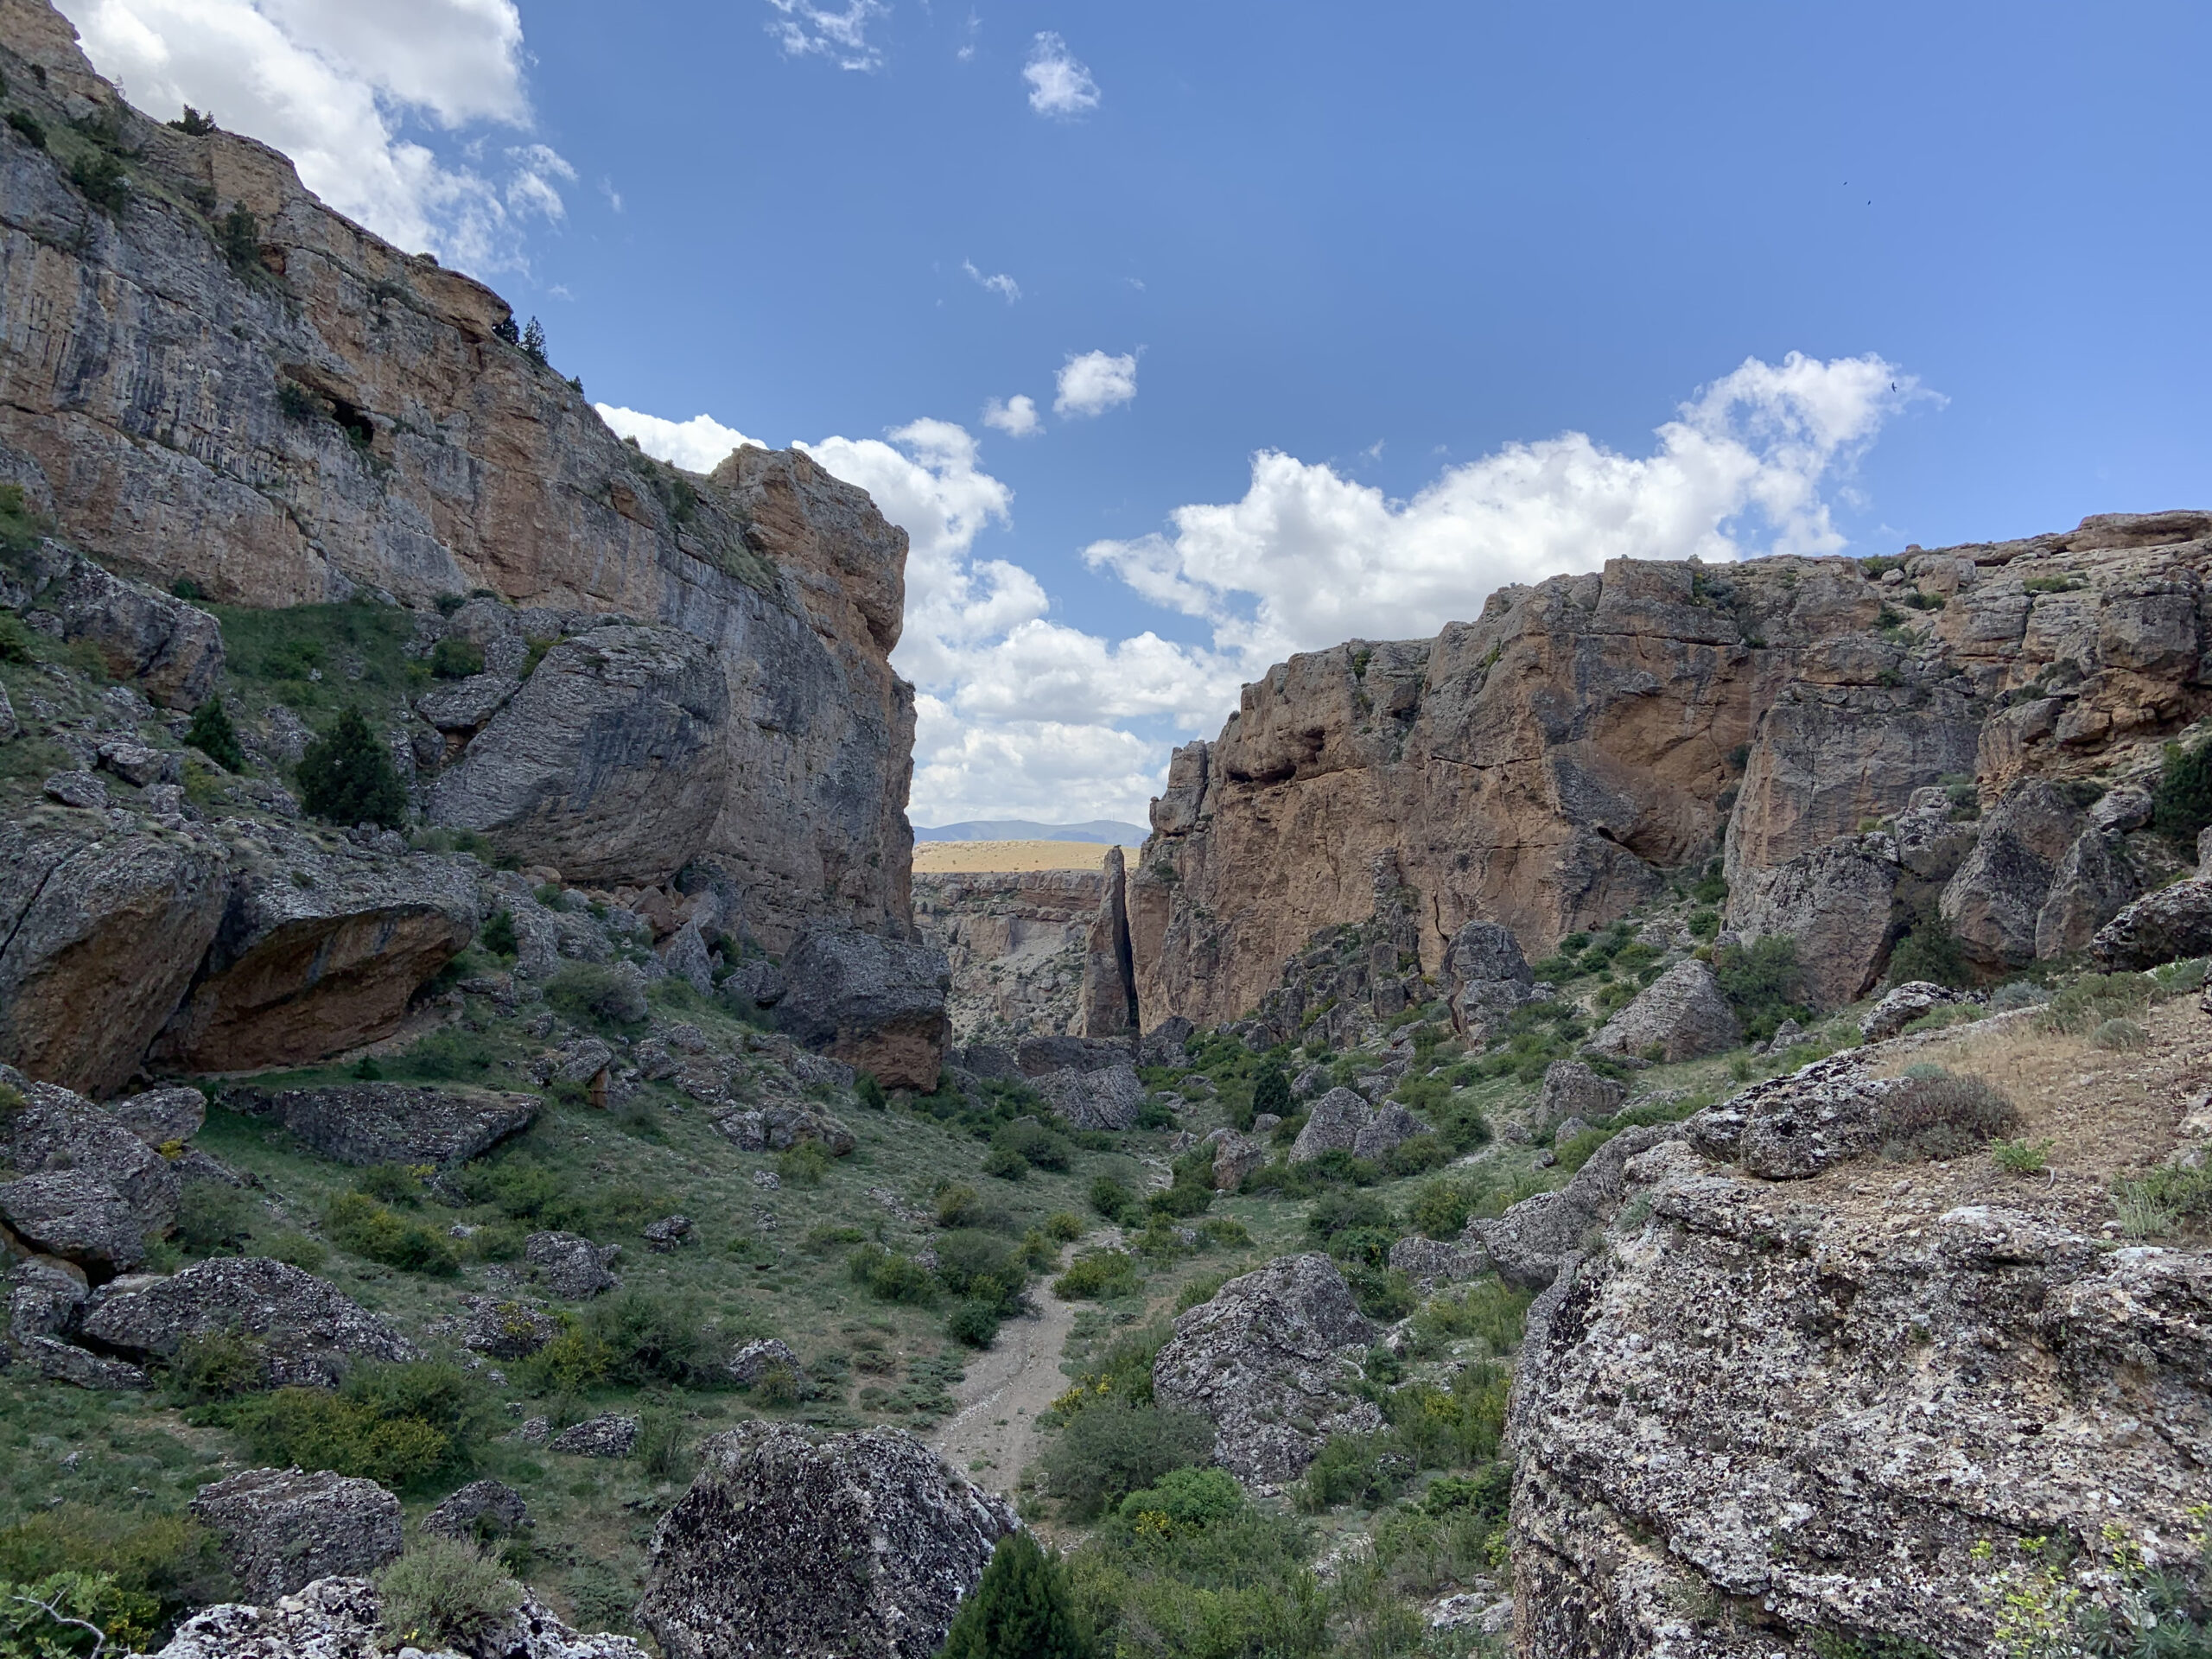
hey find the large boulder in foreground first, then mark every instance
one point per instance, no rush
(2160, 927)
(85, 1189)
(102, 933)
(342, 1619)
(1680, 1015)
(876, 1004)
(807, 1546)
(322, 944)
(609, 764)
(283, 1528)
(1269, 1361)
(308, 1328)
(389, 1122)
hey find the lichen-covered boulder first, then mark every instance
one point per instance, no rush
(343, 1618)
(482, 1508)
(1269, 1361)
(610, 1435)
(876, 1004)
(307, 1330)
(162, 1117)
(1572, 1090)
(1902, 1005)
(283, 1528)
(2160, 927)
(391, 1123)
(87, 1188)
(812, 1545)
(1486, 977)
(1332, 1124)
(570, 1265)
(1680, 1015)
(1788, 1128)
(1833, 902)
(1994, 898)
(503, 1328)
(782, 1124)
(1390, 1128)
(76, 1215)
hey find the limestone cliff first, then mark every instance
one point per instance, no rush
(209, 375)
(1017, 944)
(1548, 764)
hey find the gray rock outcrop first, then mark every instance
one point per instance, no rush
(307, 1330)
(1833, 902)
(2163, 927)
(1332, 1124)
(391, 1123)
(571, 1266)
(77, 1217)
(162, 1117)
(1680, 1015)
(343, 1618)
(811, 1546)
(756, 1359)
(84, 1181)
(1485, 976)
(1900, 1007)
(502, 1328)
(877, 1004)
(1268, 1361)
(171, 649)
(282, 1528)
(483, 1508)
(781, 1125)
(1993, 900)
(610, 1435)
(1572, 1090)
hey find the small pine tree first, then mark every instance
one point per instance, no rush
(239, 235)
(533, 341)
(1271, 1092)
(212, 735)
(347, 778)
(1023, 1609)
(2181, 801)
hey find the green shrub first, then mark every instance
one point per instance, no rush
(573, 1363)
(1711, 887)
(456, 658)
(171, 1559)
(1931, 951)
(1488, 1494)
(445, 1593)
(212, 1218)
(346, 777)
(1576, 1150)
(2124, 1034)
(298, 1250)
(2021, 1157)
(392, 1183)
(401, 1425)
(29, 128)
(1185, 1501)
(1110, 1198)
(1005, 1163)
(2181, 801)
(1095, 1276)
(357, 1224)
(498, 936)
(974, 1323)
(1022, 1608)
(1270, 1093)
(239, 235)
(1762, 983)
(593, 996)
(102, 180)
(212, 735)
(657, 1336)
(1124, 1373)
(1488, 1308)
(892, 1278)
(2092, 999)
(973, 1263)
(47, 1618)
(1064, 1225)
(1116, 1446)
(1363, 1469)
(1440, 1209)
(1944, 1117)
(1035, 1145)
(218, 1365)
(15, 639)
(803, 1165)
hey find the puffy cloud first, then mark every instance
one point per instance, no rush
(698, 444)
(1309, 557)
(1016, 416)
(1094, 383)
(1059, 86)
(331, 82)
(1047, 770)
(1002, 285)
(806, 30)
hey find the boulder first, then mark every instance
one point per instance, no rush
(669, 1234)
(1533, 1240)
(877, 1004)
(753, 984)
(1993, 900)
(1833, 901)
(309, 1331)
(1680, 1015)
(571, 1266)
(2163, 926)
(610, 1435)
(1108, 1098)
(76, 1215)
(162, 1117)
(1163, 1044)
(756, 1359)
(1234, 1157)
(366, 1123)
(342, 1619)
(684, 955)
(283, 1529)
(172, 650)
(78, 788)
(482, 1510)
(505, 1329)
(102, 933)
(1390, 1128)
(1270, 1361)
(1432, 1261)
(609, 763)
(2092, 883)
(1572, 1090)
(781, 1125)
(461, 707)
(1332, 1124)
(1899, 1008)
(1931, 839)
(1790, 1128)
(1485, 977)
(103, 1187)
(806, 1546)
(136, 764)
(320, 950)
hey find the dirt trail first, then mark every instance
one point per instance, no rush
(994, 1434)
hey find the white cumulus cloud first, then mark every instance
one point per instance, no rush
(332, 84)
(698, 444)
(1309, 557)
(1096, 382)
(1002, 285)
(1059, 86)
(1017, 416)
(807, 30)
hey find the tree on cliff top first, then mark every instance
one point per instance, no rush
(346, 777)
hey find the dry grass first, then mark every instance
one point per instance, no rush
(979, 857)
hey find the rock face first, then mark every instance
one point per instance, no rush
(1680, 1015)
(857, 1545)
(391, 1123)
(283, 1529)
(102, 934)
(1487, 975)
(319, 949)
(1267, 1360)
(1543, 766)
(1106, 1004)
(877, 1004)
(1830, 1413)
(338, 416)
(87, 1188)
(173, 651)
(571, 1265)
(306, 1328)
(2163, 926)
(342, 1619)
(481, 1509)
(1016, 946)
(1572, 1090)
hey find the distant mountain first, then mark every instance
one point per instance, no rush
(1105, 831)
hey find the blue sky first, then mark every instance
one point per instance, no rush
(1369, 309)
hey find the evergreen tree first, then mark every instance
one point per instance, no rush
(347, 777)
(212, 735)
(1024, 1609)
(1271, 1092)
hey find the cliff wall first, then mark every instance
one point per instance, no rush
(1017, 944)
(1549, 765)
(214, 377)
